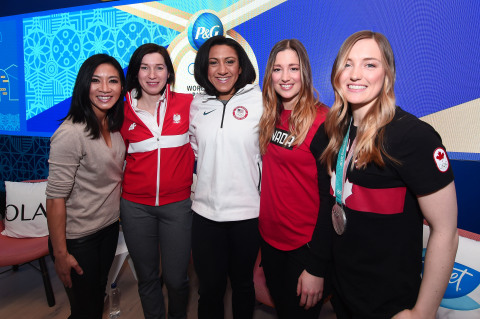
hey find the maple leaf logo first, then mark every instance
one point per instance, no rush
(440, 156)
(347, 188)
(441, 160)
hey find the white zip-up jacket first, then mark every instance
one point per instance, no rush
(229, 165)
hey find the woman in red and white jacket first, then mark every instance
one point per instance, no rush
(156, 207)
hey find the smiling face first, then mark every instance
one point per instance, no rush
(153, 74)
(105, 89)
(223, 70)
(287, 77)
(363, 77)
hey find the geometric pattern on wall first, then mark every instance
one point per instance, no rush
(10, 122)
(23, 158)
(55, 46)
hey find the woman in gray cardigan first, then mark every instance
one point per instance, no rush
(84, 183)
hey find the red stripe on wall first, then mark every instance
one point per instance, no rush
(463, 233)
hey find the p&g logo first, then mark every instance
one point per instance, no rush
(205, 26)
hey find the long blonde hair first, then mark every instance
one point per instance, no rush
(304, 112)
(370, 132)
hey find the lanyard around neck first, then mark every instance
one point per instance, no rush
(342, 164)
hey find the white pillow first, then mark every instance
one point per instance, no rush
(462, 298)
(25, 213)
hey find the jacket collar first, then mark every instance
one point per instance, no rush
(131, 96)
(245, 89)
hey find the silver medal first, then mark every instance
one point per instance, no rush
(339, 219)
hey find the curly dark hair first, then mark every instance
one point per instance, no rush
(247, 76)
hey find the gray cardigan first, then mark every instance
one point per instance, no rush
(88, 174)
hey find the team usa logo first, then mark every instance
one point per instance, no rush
(240, 113)
(176, 118)
(441, 159)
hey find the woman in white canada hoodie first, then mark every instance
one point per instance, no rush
(224, 136)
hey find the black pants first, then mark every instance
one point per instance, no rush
(282, 269)
(222, 249)
(94, 253)
(340, 308)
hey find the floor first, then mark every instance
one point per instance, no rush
(22, 296)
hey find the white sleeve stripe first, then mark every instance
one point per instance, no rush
(167, 141)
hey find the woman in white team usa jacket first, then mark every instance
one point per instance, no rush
(224, 136)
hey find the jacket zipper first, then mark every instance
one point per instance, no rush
(223, 114)
(260, 177)
(224, 108)
(157, 195)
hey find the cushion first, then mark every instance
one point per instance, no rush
(25, 213)
(2, 204)
(462, 297)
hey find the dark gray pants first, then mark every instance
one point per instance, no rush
(148, 231)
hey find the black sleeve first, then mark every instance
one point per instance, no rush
(424, 165)
(320, 245)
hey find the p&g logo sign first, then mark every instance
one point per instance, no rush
(205, 26)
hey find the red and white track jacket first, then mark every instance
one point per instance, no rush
(159, 164)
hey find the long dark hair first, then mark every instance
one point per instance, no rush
(247, 76)
(81, 110)
(305, 111)
(136, 61)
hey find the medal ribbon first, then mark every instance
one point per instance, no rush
(341, 168)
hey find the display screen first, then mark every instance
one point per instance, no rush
(435, 43)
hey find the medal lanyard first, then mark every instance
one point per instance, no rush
(341, 168)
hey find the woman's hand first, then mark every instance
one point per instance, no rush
(56, 220)
(412, 314)
(63, 267)
(310, 289)
(405, 314)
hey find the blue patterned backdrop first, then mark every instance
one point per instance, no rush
(23, 158)
(56, 45)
